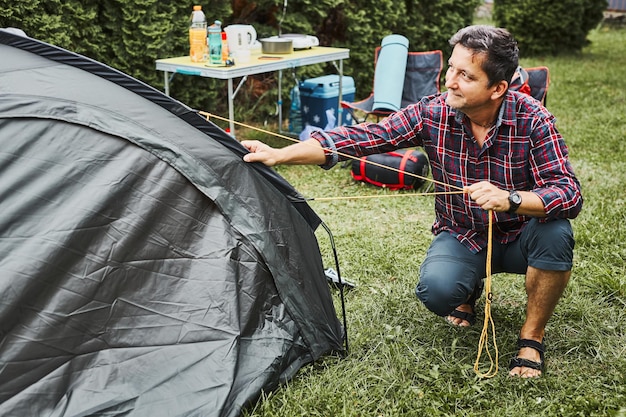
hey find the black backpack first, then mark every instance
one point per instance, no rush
(372, 169)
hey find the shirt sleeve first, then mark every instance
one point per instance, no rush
(555, 182)
(330, 150)
(399, 130)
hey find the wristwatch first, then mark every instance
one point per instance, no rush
(514, 201)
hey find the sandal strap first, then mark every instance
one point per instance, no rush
(533, 344)
(469, 317)
(526, 363)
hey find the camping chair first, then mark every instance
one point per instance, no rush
(421, 78)
(539, 81)
(533, 81)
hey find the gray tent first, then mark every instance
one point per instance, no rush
(145, 269)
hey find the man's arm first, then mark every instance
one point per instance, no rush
(308, 152)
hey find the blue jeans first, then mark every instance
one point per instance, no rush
(450, 271)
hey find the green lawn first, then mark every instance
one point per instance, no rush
(403, 360)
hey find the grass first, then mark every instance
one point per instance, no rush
(403, 360)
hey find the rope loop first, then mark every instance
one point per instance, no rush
(483, 344)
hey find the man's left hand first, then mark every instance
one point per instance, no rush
(488, 196)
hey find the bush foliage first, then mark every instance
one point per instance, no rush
(549, 28)
(131, 34)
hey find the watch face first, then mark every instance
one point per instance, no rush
(515, 200)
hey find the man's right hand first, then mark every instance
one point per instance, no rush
(260, 152)
(308, 152)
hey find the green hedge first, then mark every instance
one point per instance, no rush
(131, 34)
(549, 28)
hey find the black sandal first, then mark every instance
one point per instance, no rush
(469, 317)
(527, 363)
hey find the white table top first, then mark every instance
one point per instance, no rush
(259, 63)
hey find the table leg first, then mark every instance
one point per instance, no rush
(166, 82)
(280, 101)
(231, 108)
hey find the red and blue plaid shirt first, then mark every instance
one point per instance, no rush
(522, 151)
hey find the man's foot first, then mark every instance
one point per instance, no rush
(529, 362)
(462, 316)
(465, 314)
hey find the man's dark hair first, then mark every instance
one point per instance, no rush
(498, 46)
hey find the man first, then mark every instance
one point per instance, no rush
(503, 149)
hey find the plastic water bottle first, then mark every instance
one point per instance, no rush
(295, 115)
(197, 35)
(215, 42)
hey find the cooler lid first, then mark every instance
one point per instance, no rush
(327, 86)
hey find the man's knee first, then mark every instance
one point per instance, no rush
(442, 293)
(550, 245)
(448, 275)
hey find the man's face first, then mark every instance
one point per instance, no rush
(466, 82)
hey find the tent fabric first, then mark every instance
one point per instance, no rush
(145, 269)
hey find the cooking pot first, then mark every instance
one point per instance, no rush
(276, 45)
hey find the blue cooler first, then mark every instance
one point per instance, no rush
(322, 93)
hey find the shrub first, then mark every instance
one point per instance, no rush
(361, 25)
(549, 28)
(130, 35)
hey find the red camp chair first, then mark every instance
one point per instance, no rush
(421, 78)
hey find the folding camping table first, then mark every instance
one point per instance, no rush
(259, 63)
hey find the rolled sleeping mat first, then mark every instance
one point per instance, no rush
(389, 73)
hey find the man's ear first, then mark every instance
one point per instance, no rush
(499, 90)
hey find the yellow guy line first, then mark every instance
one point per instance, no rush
(359, 197)
(483, 343)
(347, 156)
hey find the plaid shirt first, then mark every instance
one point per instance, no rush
(522, 151)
